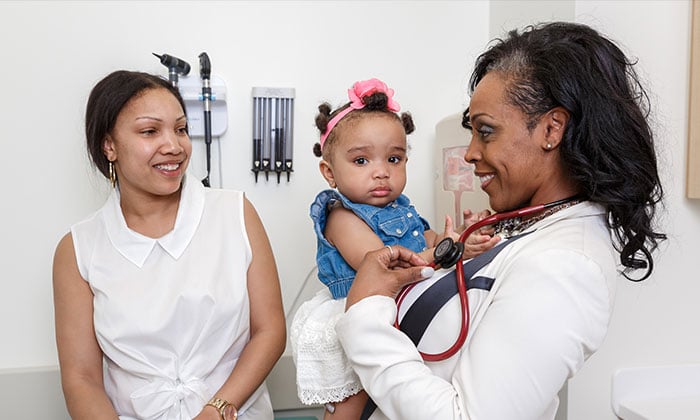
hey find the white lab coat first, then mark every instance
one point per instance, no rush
(547, 312)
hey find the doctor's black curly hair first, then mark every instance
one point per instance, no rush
(608, 146)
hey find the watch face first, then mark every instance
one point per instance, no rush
(230, 413)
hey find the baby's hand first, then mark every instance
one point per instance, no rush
(478, 243)
(449, 231)
(469, 218)
(481, 240)
(435, 239)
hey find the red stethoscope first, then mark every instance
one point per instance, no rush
(447, 253)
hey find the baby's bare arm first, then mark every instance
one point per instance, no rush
(351, 235)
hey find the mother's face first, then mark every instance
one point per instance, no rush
(509, 159)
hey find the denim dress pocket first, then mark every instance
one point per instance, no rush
(394, 228)
(404, 231)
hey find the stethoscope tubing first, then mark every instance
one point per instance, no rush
(462, 282)
(465, 318)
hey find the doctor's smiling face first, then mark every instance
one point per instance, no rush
(515, 158)
(149, 145)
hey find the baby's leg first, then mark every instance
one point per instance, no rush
(348, 409)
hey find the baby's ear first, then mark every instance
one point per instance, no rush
(327, 172)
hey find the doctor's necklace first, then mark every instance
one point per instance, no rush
(510, 227)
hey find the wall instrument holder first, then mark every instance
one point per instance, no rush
(205, 101)
(273, 131)
(191, 91)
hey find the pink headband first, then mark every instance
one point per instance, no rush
(360, 90)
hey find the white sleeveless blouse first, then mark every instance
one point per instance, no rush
(171, 314)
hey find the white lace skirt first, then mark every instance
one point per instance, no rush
(324, 374)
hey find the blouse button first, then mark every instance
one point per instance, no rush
(415, 233)
(398, 231)
(409, 214)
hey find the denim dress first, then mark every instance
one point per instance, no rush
(397, 223)
(324, 374)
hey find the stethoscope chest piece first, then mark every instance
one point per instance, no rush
(448, 252)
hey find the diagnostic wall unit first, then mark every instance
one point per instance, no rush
(273, 129)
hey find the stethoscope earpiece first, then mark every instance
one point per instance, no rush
(448, 252)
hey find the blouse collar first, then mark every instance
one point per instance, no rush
(137, 247)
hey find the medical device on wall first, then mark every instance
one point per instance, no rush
(194, 93)
(176, 67)
(205, 74)
(273, 131)
(205, 101)
(456, 187)
(191, 91)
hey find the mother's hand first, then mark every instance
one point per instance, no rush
(385, 272)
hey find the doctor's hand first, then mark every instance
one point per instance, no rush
(385, 272)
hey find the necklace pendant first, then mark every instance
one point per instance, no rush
(508, 228)
(511, 227)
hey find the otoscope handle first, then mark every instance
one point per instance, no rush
(207, 131)
(206, 94)
(205, 74)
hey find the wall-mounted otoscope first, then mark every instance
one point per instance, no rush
(176, 67)
(205, 103)
(205, 74)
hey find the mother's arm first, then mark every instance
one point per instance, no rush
(79, 354)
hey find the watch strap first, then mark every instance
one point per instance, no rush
(224, 407)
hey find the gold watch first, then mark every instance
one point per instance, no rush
(227, 410)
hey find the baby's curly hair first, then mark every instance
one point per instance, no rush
(375, 103)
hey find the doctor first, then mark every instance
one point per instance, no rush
(557, 115)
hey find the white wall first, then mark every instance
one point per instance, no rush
(53, 52)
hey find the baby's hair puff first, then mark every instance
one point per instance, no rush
(366, 97)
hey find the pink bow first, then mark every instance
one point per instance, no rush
(367, 87)
(358, 91)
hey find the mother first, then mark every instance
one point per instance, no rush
(167, 298)
(558, 116)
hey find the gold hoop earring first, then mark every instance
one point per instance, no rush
(112, 175)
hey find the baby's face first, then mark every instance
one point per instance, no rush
(369, 160)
